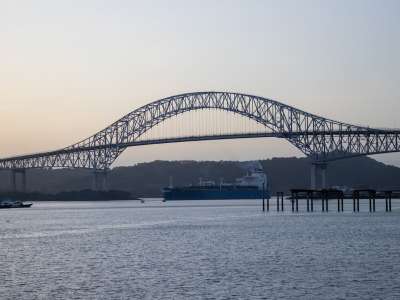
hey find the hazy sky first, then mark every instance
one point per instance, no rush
(70, 68)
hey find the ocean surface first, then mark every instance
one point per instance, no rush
(197, 250)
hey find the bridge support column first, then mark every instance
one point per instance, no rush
(316, 169)
(323, 168)
(14, 185)
(14, 180)
(100, 180)
(313, 176)
(23, 173)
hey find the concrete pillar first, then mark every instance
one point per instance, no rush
(316, 169)
(100, 180)
(23, 173)
(103, 180)
(14, 180)
(323, 168)
(313, 176)
(96, 183)
(14, 184)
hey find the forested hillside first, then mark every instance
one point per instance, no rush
(146, 179)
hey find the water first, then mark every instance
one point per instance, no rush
(197, 250)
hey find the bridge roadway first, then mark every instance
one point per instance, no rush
(320, 139)
(12, 162)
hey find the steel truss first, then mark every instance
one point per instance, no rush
(319, 138)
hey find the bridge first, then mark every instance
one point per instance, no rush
(321, 139)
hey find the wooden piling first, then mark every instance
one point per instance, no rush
(263, 196)
(386, 201)
(327, 201)
(277, 202)
(373, 202)
(370, 202)
(342, 201)
(312, 201)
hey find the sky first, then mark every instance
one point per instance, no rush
(70, 68)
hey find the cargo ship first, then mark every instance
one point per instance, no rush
(254, 185)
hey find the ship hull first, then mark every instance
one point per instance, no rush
(203, 194)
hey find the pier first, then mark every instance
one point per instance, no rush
(325, 196)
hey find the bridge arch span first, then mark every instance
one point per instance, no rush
(278, 117)
(320, 138)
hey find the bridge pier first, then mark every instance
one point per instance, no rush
(13, 181)
(323, 168)
(313, 176)
(100, 180)
(318, 168)
(14, 185)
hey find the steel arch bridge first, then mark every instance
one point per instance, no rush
(319, 138)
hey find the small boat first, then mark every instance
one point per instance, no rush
(9, 203)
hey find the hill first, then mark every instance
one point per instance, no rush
(146, 179)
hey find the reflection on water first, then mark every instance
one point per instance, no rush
(197, 250)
